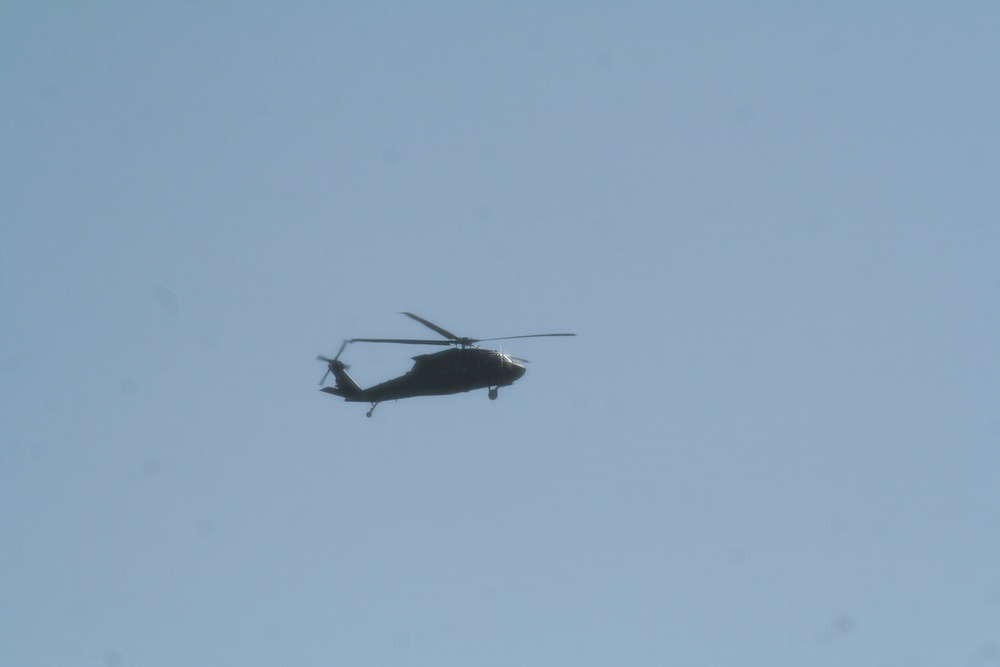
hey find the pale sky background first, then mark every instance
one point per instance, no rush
(774, 226)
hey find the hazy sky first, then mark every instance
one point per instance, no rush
(774, 226)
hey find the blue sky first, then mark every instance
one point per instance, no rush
(774, 441)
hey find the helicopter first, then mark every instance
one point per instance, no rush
(463, 367)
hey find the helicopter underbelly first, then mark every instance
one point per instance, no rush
(413, 384)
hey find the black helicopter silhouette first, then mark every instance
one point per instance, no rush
(462, 368)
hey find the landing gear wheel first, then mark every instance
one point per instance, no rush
(493, 394)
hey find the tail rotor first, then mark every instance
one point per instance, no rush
(333, 364)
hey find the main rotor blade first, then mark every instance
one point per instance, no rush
(403, 341)
(528, 336)
(432, 326)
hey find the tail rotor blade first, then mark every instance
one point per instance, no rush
(331, 364)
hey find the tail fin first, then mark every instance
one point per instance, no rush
(346, 386)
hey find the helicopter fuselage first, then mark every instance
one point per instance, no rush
(450, 371)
